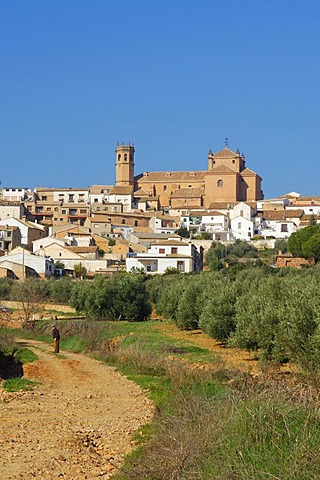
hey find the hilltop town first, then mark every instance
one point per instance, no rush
(151, 221)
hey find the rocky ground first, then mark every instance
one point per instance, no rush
(76, 424)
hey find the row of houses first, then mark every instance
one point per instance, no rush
(102, 229)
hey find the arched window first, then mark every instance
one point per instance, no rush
(119, 157)
(164, 188)
(125, 157)
(220, 183)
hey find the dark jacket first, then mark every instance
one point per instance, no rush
(55, 333)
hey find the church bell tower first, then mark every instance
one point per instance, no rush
(124, 165)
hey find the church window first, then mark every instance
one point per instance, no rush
(233, 161)
(119, 157)
(239, 225)
(125, 157)
(164, 188)
(241, 213)
(213, 162)
(220, 183)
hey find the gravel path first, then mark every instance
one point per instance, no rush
(77, 424)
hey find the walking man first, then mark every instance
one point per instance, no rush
(56, 338)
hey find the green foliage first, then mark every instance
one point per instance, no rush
(16, 384)
(218, 315)
(172, 271)
(79, 270)
(281, 245)
(311, 248)
(59, 264)
(5, 288)
(183, 232)
(122, 296)
(220, 254)
(25, 355)
(298, 239)
(60, 290)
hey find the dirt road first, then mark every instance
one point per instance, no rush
(77, 424)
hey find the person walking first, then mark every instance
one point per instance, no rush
(56, 339)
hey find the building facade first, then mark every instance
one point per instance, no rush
(227, 179)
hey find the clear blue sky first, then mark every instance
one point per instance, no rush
(175, 77)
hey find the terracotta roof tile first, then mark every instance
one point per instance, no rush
(98, 189)
(281, 214)
(188, 192)
(221, 169)
(121, 190)
(181, 177)
(225, 153)
(221, 205)
(82, 249)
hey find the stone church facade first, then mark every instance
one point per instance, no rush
(227, 179)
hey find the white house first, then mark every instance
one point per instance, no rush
(99, 193)
(241, 209)
(281, 223)
(166, 254)
(42, 265)
(242, 228)
(15, 194)
(11, 209)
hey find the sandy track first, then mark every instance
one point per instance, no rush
(77, 424)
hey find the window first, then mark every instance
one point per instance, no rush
(233, 161)
(239, 225)
(220, 183)
(136, 223)
(44, 198)
(174, 250)
(48, 209)
(96, 225)
(180, 266)
(241, 213)
(119, 157)
(82, 210)
(56, 209)
(125, 157)
(123, 221)
(284, 227)
(162, 250)
(164, 188)
(64, 212)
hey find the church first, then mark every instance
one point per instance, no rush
(227, 179)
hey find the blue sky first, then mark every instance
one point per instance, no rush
(175, 77)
